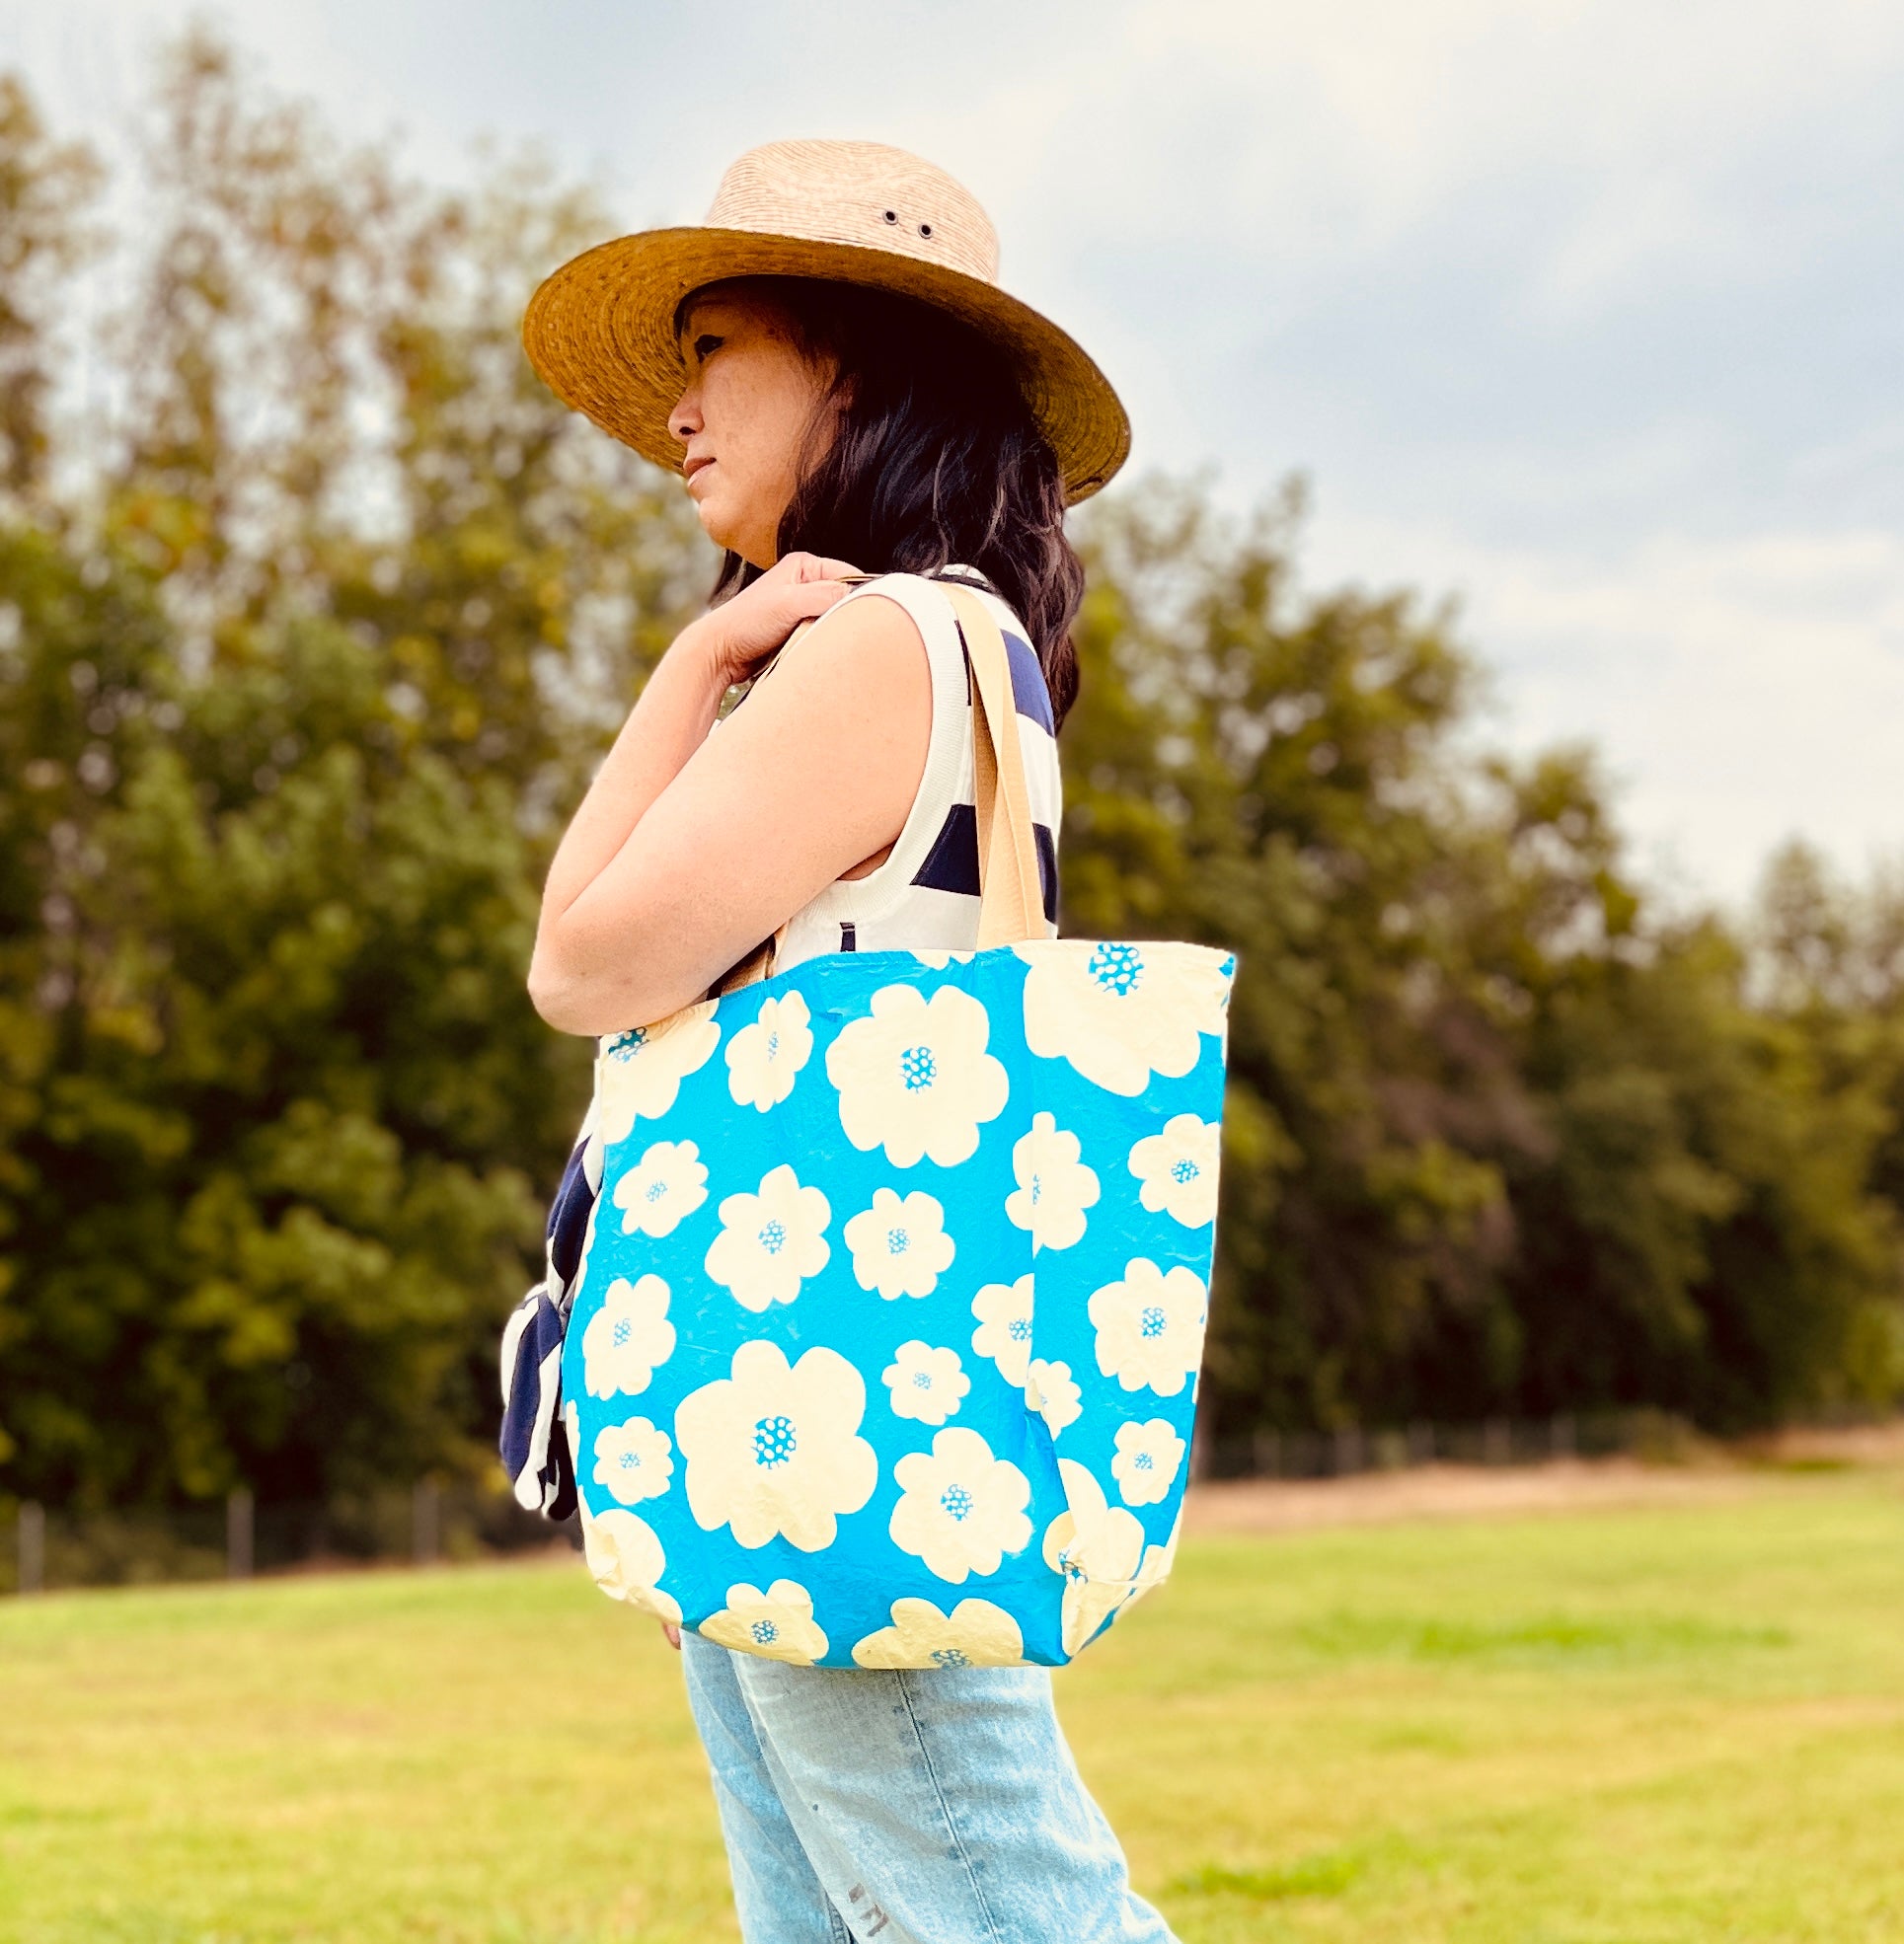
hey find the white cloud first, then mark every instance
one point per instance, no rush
(1748, 688)
(1585, 307)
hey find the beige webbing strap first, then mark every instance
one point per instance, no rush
(1011, 905)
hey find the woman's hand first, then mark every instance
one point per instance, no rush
(671, 1634)
(736, 637)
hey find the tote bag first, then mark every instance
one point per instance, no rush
(885, 1325)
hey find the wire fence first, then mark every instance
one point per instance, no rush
(432, 1521)
(1355, 1447)
(423, 1524)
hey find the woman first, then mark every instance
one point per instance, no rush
(831, 366)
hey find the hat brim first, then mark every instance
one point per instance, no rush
(600, 331)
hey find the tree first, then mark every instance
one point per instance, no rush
(308, 643)
(1499, 1139)
(297, 688)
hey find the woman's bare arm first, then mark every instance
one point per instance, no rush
(691, 848)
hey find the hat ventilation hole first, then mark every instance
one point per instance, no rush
(892, 215)
(925, 229)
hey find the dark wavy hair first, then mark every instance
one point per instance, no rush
(935, 460)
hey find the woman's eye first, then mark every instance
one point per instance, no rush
(704, 346)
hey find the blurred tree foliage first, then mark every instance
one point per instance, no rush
(1497, 1140)
(312, 626)
(297, 675)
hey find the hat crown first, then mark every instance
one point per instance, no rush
(860, 194)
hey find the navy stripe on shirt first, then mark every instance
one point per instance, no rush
(951, 865)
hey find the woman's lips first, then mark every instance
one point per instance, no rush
(693, 470)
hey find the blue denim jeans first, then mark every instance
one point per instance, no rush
(863, 1806)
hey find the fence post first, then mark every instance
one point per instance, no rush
(1201, 1436)
(1348, 1448)
(426, 1520)
(1561, 1438)
(1265, 1451)
(1497, 1440)
(30, 1539)
(1421, 1442)
(239, 1533)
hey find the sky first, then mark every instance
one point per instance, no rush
(1586, 313)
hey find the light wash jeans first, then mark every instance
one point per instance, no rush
(932, 1807)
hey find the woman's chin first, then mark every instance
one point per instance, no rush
(712, 524)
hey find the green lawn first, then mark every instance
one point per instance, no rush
(1636, 1726)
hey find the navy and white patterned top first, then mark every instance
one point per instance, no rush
(925, 895)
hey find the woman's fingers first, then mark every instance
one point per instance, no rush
(671, 1634)
(809, 567)
(817, 596)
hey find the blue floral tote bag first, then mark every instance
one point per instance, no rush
(884, 1329)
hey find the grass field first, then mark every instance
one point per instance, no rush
(1606, 1727)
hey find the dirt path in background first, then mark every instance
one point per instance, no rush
(1463, 1492)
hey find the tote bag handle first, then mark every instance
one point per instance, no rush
(1010, 887)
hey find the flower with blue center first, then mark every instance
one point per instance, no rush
(634, 1460)
(628, 1337)
(914, 1076)
(927, 1383)
(1121, 1013)
(639, 1074)
(1052, 1392)
(960, 1509)
(1004, 1332)
(1054, 1188)
(899, 1244)
(771, 1241)
(773, 1449)
(1147, 1458)
(777, 1624)
(1178, 1170)
(1150, 1326)
(765, 1058)
(663, 1189)
(975, 1634)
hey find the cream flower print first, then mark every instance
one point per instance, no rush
(1150, 1326)
(640, 1073)
(776, 1451)
(927, 1383)
(1054, 1188)
(1157, 1562)
(914, 1076)
(764, 1058)
(899, 1248)
(960, 1509)
(1148, 1456)
(777, 1624)
(633, 1460)
(1178, 1170)
(938, 958)
(663, 1189)
(1099, 1547)
(626, 1337)
(771, 1241)
(1004, 1332)
(1121, 1013)
(1050, 1391)
(975, 1634)
(627, 1561)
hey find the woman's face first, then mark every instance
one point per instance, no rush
(752, 397)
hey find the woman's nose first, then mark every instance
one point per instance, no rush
(685, 419)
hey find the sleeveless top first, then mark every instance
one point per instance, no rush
(925, 894)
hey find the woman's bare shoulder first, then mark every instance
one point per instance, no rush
(869, 648)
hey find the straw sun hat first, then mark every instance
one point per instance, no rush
(601, 330)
